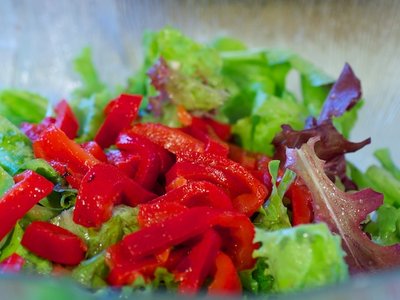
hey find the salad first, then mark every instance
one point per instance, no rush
(204, 173)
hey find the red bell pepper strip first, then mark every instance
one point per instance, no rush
(152, 213)
(222, 130)
(94, 149)
(196, 193)
(253, 194)
(103, 186)
(301, 201)
(12, 264)
(54, 243)
(197, 265)
(225, 280)
(66, 119)
(120, 115)
(171, 139)
(18, 200)
(149, 167)
(33, 131)
(123, 160)
(237, 230)
(54, 145)
(213, 146)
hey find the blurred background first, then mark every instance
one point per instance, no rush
(39, 39)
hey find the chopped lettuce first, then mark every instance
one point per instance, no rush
(301, 257)
(21, 106)
(6, 181)
(15, 147)
(90, 81)
(383, 225)
(182, 72)
(123, 221)
(92, 272)
(274, 215)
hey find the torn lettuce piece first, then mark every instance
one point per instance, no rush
(256, 133)
(257, 280)
(182, 72)
(123, 221)
(15, 147)
(21, 106)
(273, 215)
(92, 273)
(301, 257)
(90, 113)
(384, 225)
(6, 181)
(385, 159)
(90, 81)
(11, 242)
(343, 212)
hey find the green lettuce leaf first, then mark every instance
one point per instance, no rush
(11, 242)
(6, 181)
(15, 147)
(301, 257)
(21, 106)
(194, 71)
(89, 112)
(384, 225)
(274, 215)
(385, 159)
(123, 221)
(90, 81)
(92, 272)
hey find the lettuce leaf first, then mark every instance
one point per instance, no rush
(22, 106)
(299, 258)
(123, 221)
(342, 212)
(274, 215)
(15, 147)
(90, 81)
(92, 272)
(6, 181)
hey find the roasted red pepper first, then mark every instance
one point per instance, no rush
(120, 115)
(123, 160)
(301, 201)
(223, 131)
(248, 193)
(94, 149)
(103, 186)
(236, 229)
(225, 280)
(54, 145)
(149, 162)
(66, 119)
(17, 201)
(197, 265)
(172, 139)
(197, 193)
(157, 212)
(12, 264)
(54, 243)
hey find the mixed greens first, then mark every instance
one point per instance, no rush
(319, 221)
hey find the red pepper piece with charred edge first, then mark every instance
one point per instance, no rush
(54, 243)
(17, 201)
(121, 112)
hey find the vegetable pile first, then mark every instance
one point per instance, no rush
(205, 173)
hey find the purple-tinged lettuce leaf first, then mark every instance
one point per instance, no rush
(345, 93)
(331, 147)
(342, 212)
